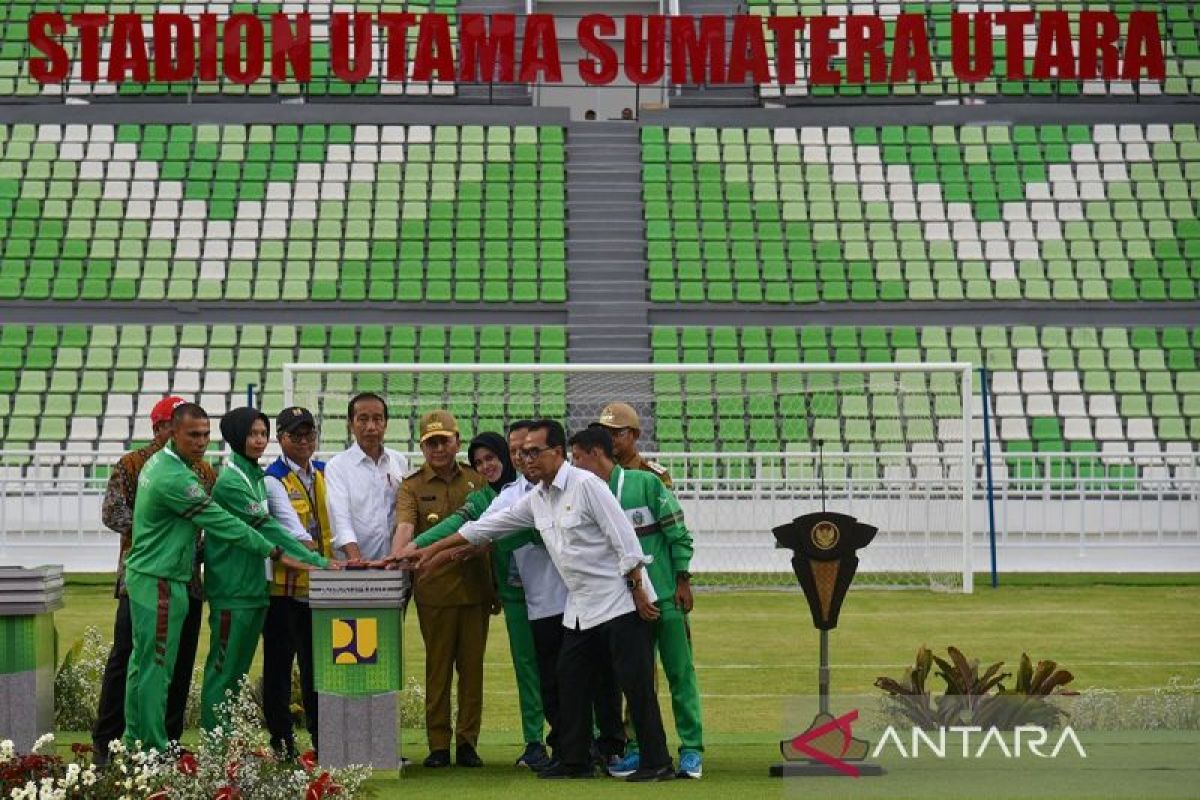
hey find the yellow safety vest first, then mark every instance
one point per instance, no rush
(292, 583)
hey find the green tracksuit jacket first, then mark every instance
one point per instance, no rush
(170, 509)
(233, 577)
(237, 585)
(658, 521)
(512, 597)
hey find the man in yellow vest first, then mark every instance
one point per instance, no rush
(296, 496)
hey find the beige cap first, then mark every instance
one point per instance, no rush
(619, 415)
(438, 423)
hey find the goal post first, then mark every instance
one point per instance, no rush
(749, 446)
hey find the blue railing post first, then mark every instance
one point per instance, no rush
(987, 465)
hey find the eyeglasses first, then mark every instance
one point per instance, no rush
(531, 453)
(311, 436)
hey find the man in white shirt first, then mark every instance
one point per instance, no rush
(362, 483)
(610, 602)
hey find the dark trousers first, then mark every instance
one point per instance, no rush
(606, 697)
(627, 643)
(110, 716)
(287, 635)
(547, 642)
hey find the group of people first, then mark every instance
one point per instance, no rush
(587, 559)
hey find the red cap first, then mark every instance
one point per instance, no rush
(163, 409)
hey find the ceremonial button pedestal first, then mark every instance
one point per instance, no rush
(28, 599)
(357, 636)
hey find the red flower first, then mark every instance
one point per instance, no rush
(161, 794)
(227, 793)
(231, 771)
(187, 764)
(323, 786)
(308, 760)
(80, 748)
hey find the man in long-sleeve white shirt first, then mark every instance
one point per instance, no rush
(609, 600)
(362, 483)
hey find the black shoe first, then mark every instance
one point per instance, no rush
(437, 758)
(465, 756)
(535, 757)
(566, 771)
(551, 763)
(100, 756)
(649, 774)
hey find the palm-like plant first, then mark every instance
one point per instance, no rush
(975, 697)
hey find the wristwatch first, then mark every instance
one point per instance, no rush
(276, 553)
(685, 576)
(633, 583)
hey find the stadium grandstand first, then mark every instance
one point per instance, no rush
(195, 237)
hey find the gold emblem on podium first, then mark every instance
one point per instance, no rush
(825, 535)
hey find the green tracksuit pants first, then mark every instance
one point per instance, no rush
(157, 608)
(524, 658)
(233, 638)
(674, 643)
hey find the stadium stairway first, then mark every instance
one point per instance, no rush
(608, 315)
(606, 249)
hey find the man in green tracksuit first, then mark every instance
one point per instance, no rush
(236, 580)
(489, 454)
(170, 509)
(658, 521)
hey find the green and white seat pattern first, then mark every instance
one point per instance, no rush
(15, 52)
(90, 388)
(903, 213)
(1178, 24)
(282, 212)
(1115, 392)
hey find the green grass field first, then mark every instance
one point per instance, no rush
(756, 651)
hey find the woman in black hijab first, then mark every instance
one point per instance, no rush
(488, 454)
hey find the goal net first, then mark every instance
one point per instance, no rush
(748, 446)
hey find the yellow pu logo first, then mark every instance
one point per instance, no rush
(355, 641)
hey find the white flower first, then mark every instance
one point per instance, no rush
(7, 750)
(45, 740)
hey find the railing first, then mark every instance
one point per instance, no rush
(1086, 511)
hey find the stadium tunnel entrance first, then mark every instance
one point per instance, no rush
(620, 99)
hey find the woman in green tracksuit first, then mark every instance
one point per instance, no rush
(488, 453)
(236, 582)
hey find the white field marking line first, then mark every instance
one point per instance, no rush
(502, 663)
(892, 666)
(705, 617)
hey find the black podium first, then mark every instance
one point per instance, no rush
(824, 546)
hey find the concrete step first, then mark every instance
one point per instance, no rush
(629, 341)
(602, 316)
(605, 266)
(596, 248)
(606, 292)
(614, 353)
(601, 201)
(615, 212)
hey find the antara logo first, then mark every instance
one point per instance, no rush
(1026, 740)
